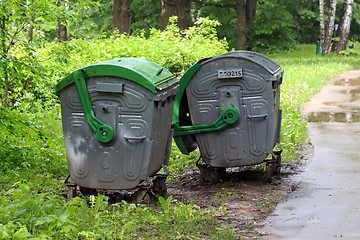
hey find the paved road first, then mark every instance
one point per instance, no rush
(327, 203)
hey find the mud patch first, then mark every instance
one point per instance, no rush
(240, 199)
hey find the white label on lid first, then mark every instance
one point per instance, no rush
(232, 73)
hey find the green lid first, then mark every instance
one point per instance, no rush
(146, 73)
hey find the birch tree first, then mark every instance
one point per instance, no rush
(343, 31)
(329, 28)
(322, 22)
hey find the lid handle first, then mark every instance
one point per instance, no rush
(104, 132)
(159, 71)
(229, 116)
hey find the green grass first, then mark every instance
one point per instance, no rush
(26, 214)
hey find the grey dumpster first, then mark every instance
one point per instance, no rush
(116, 118)
(228, 106)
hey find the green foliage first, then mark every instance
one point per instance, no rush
(172, 48)
(355, 23)
(26, 77)
(32, 143)
(305, 19)
(226, 16)
(273, 28)
(18, 66)
(90, 19)
(146, 15)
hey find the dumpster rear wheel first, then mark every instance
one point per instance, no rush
(273, 166)
(160, 188)
(278, 164)
(70, 192)
(70, 188)
(210, 175)
(87, 191)
(141, 196)
(152, 190)
(269, 170)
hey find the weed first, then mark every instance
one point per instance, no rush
(225, 194)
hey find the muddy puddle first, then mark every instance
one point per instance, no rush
(347, 82)
(340, 103)
(345, 117)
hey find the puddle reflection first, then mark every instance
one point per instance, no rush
(347, 82)
(346, 117)
(354, 93)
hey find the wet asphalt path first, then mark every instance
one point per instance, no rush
(326, 205)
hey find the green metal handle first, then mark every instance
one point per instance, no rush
(104, 132)
(229, 116)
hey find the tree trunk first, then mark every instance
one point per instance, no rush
(322, 22)
(183, 13)
(31, 29)
(343, 31)
(121, 16)
(329, 27)
(4, 52)
(168, 9)
(250, 12)
(245, 19)
(179, 8)
(241, 24)
(62, 33)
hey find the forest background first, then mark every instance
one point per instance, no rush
(43, 41)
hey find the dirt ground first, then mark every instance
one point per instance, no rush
(241, 199)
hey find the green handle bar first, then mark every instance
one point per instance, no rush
(229, 116)
(104, 132)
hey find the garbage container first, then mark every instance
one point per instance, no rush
(116, 118)
(228, 106)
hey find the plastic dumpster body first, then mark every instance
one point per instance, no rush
(116, 118)
(248, 84)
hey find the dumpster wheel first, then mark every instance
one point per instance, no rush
(273, 166)
(154, 188)
(70, 188)
(210, 175)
